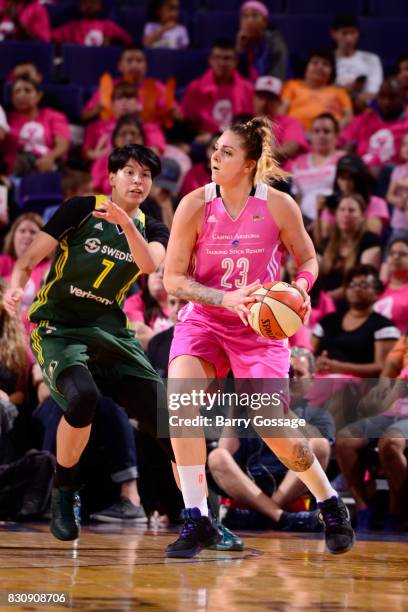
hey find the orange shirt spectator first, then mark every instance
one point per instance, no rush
(315, 94)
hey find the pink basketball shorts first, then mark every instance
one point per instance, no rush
(229, 345)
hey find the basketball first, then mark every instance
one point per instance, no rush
(279, 314)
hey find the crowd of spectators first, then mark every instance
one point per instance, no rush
(341, 132)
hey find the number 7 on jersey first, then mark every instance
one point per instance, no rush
(108, 267)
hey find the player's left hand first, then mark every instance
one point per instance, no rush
(306, 300)
(111, 212)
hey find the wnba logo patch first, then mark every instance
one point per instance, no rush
(200, 478)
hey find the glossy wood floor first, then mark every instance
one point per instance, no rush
(123, 569)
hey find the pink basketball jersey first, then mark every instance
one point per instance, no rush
(231, 253)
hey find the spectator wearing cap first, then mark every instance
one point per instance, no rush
(316, 93)
(359, 72)
(211, 101)
(261, 51)
(376, 135)
(288, 132)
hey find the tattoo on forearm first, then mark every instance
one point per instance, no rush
(301, 459)
(196, 292)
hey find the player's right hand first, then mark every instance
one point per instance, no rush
(236, 301)
(12, 300)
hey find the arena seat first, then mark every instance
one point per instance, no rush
(211, 26)
(274, 6)
(62, 13)
(133, 19)
(38, 191)
(182, 64)
(387, 37)
(68, 98)
(41, 54)
(385, 8)
(322, 7)
(84, 65)
(304, 33)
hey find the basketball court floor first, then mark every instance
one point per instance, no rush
(117, 569)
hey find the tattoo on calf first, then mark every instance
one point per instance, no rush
(301, 459)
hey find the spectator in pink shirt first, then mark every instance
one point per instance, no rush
(211, 101)
(352, 176)
(38, 137)
(92, 29)
(288, 132)
(19, 238)
(313, 173)
(397, 194)
(376, 134)
(392, 303)
(24, 20)
(148, 310)
(159, 204)
(132, 67)
(128, 130)
(97, 140)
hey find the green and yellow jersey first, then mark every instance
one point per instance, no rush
(92, 269)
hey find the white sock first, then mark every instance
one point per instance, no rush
(194, 487)
(317, 482)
